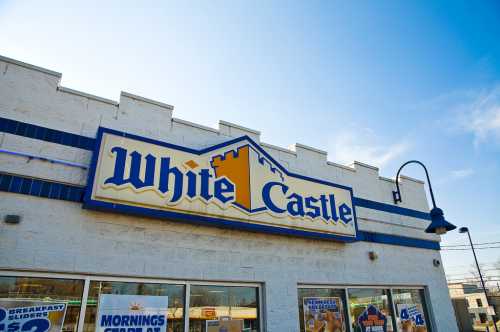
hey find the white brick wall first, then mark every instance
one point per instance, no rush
(61, 236)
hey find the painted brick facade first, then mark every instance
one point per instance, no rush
(57, 235)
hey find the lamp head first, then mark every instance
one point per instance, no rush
(463, 230)
(438, 224)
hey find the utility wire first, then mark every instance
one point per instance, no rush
(478, 288)
(468, 245)
(454, 285)
(469, 265)
(494, 247)
(473, 276)
(472, 279)
(482, 270)
(468, 276)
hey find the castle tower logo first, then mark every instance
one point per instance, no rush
(243, 167)
(236, 184)
(236, 167)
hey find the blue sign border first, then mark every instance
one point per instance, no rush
(89, 203)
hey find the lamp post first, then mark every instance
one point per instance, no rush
(438, 224)
(466, 230)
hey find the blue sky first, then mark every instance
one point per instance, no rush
(379, 82)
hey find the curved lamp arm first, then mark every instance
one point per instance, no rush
(397, 194)
(438, 224)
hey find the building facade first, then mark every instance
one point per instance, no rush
(481, 311)
(100, 197)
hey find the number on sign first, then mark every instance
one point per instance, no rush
(3, 314)
(419, 320)
(404, 314)
(33, 325)
(13, 327)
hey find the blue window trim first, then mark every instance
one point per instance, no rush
(87, 143)
(53, 190)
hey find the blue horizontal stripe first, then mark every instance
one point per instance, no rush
(397, 240)
(46, 134)
(361, 202)
(60, 191)
(40, 188)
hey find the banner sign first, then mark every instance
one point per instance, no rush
(131, 313)
(410, 315)
(31, 316)
(323, 314)
(233, 184)
(372, 320)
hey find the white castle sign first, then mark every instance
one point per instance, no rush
(234, 184)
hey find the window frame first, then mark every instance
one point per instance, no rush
(389, 299)
(425, 305)
(390, 288)
(87, 278)
(345, 302)
(28, 274)
(479, 303)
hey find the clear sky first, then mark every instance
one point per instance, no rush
(376, 81)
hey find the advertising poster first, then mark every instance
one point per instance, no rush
(31, 316)
(372, 320)
(233, 325)
(209, 313)
(412, 319)
(323, 314)
(131, 313)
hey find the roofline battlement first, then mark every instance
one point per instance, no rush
(131, 106)
(30, 66)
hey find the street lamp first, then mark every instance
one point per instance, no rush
(466, 230)
(438, 224)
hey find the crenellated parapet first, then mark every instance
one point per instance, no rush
(34, 95)
(234, 130)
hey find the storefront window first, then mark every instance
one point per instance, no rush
(411, 314)
(322, 310)
(370, 310)
(175, 293)
(28, 292)
(211, 307)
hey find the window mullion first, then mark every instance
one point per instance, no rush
(394, 313)
(348, 310)
(260, 311)
(83, 304)
(186, 306)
